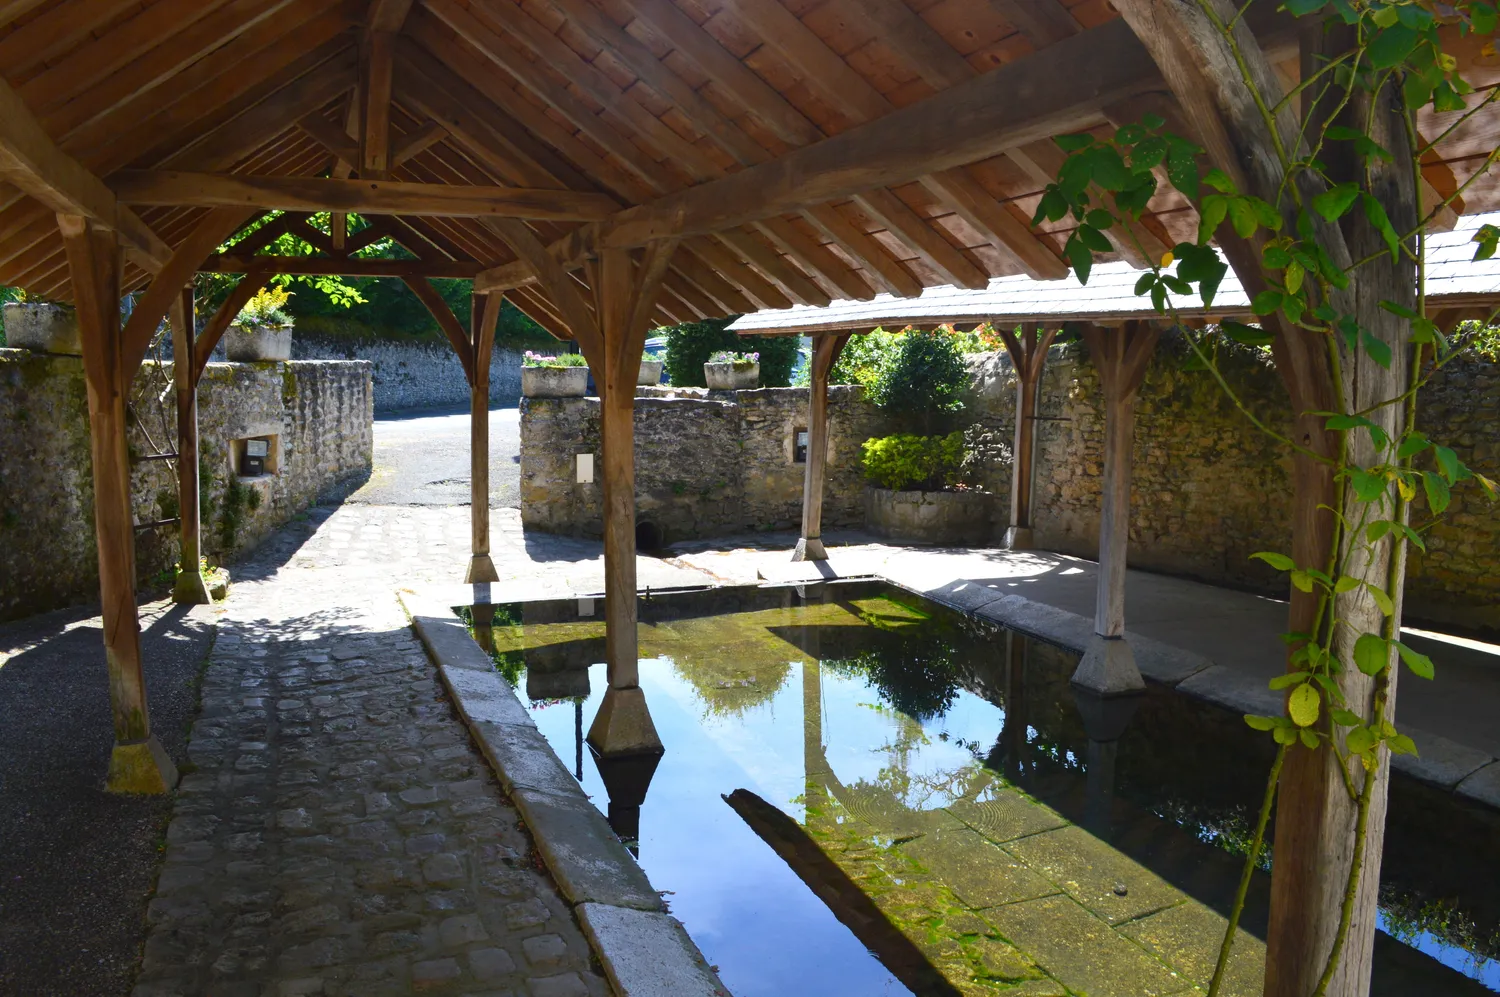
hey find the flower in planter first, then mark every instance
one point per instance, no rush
(739, 360)
(531, 359)
(267, 308)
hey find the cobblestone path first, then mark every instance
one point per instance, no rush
(337, 833)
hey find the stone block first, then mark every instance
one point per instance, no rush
(582, 853)
(253, 343)
(1483, 786)
(1108, 668)
(647, 953)
(1105, 881)
(42, 327)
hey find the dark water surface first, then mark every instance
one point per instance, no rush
(865, 794)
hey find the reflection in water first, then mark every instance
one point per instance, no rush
(917, 804)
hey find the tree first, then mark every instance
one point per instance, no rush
(690, 344)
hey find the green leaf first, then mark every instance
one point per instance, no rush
(1130, 134)
(1176, 284)
(1377, 348)
(1381, 599)
(1345, 583)
(1302, 580)
(1383, 16)
(1219, 181)
(1367, 487)
(1211, 214)
(1482, 17)
(1420, 664)
(1142, 285)
(1375, 212)
(1345, 718)
(1094, 239)
(1445, 98)
(1438, 493)
(1245, 334)
(1242, 217)
(1052, 207)
(1288, 680)
(1309, 739)
(1402, 745)
(1182, 166)
(1072, 143)
(1284, 735)
(1335, 202)
(1303, 705)
(1275, 257)
(1267, 302)
(1376, 531)
(1278, 561)
(1152, 121)
(1391, 46)
(1413, 444)
(1258, 723)
(1099, 218)
(1371, 654)
(1301, 8)
(1396, 309)
(1110, 171)
(1447, 462)
(1148, 153)
(1359, 740)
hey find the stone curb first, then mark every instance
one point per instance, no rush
(614, 900)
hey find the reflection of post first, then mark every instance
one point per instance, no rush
(813, 762)
(1013, 734)
(1121, 356)
(578, 737)
(1105, 719)
(826, 350)
(1028, 355)
(484, 625)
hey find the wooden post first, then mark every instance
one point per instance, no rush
(1121, 356)
(190, 586)
(624, 298)
(826, 350)
(484, 313)
(137, 764)
(1028, 354)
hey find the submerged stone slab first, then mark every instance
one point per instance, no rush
(648, 954)
(1006, 816)
(1103, 880)
(1187, 937)
(1082, 951)
(980, 872)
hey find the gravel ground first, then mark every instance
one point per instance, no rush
(423, 459)
(76, 864)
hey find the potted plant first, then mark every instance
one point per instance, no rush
(651, 366)
(925, 489)
(262, 330)
(35, 323)
(563, 376)
(727, 371)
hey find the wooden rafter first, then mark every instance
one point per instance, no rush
(339, 266)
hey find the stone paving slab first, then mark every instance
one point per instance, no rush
(648, 954)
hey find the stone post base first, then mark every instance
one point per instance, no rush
(623, 725)
(141, 767)
(1108, 668)
(810, 549)
(1018, 538)
(190, 589)
(481, 569)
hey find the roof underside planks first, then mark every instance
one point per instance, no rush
(810, 151)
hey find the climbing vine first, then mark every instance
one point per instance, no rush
(1346, 146)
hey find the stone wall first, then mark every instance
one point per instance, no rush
(416, 375)
(707, 462)
(320, 414)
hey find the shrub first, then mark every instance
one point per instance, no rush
(561, 360)
(268, 307)
(903, 461)
(863, 358)
(926, 375)
(691, 344)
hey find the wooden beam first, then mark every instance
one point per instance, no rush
(826, 350)
(330, 136)
(906, 225)
(1028, 355)
(31, 161)
(865, 248)
(817, 259)
(137, 764)
(419, 141)
(341, 267)
(387, 15)
(223, 318)
(556, 281)
(377, 76)
(189, 587)
(458, 338)
(376, 197)
(753, 247)
(1005, 232)
(484, 314)
(1043, 22)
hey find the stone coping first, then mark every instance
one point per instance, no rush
(645, 951)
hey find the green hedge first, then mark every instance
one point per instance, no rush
(903, 461)
(691, 344)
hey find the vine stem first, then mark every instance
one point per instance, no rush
(1250, 864)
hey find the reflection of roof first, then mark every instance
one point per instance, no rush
(1452, 279)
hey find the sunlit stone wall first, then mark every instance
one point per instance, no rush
(319, 412)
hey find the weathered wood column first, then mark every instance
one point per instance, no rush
(137, 764)
(1121, 356)
(189, 587)
(483, 316)
(1028, 355)
(826, 352)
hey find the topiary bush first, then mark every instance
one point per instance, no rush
(906, 462)
(924, 376)
(691, 344)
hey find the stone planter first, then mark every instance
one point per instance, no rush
(249, 343)
(930, 517)
(46, 328)
(731, 376)
(650, 372)
(554, 382)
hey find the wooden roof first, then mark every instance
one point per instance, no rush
(1457, 287)
(807, 150)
